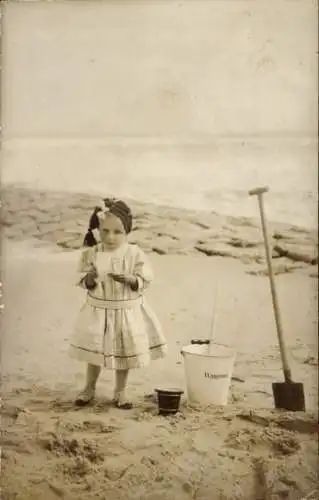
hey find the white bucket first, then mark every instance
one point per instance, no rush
(208, 371)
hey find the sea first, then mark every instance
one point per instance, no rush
(210, 175)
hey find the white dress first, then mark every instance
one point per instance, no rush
(116, 327)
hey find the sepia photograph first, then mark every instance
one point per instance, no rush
(159, 250)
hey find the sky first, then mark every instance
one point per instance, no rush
(182, 70)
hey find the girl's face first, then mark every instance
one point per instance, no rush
(112, 232)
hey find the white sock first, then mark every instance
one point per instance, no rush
(121, 377)
(92, 374)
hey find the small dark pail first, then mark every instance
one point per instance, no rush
(168, 401)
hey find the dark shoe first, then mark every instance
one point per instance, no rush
(85, 397)
(126, 405)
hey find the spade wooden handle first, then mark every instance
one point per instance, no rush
(258, 190)
(286, 369)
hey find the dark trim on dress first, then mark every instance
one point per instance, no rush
(113, 355)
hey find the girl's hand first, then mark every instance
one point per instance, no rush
(90, 279)
(92, 272)
(125, 279)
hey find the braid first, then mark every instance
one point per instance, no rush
(89, 239)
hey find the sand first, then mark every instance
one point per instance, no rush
(246, 450)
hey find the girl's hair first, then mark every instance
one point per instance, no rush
(89, 238)
(116, 207)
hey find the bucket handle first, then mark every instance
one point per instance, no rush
(212, 335)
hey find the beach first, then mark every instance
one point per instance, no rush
(179, 108)
(246, 450)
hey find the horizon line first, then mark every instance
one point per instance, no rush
(199, 139)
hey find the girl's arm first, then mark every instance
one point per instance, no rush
(86, 264)
(142, 271)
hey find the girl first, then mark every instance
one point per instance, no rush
(115, 328)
